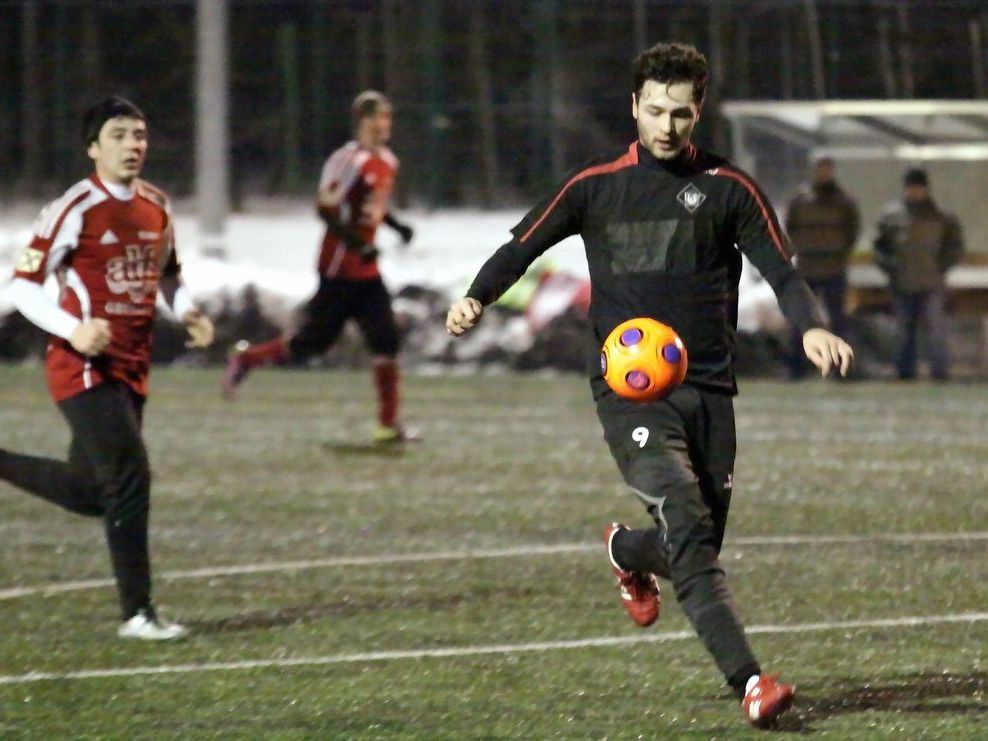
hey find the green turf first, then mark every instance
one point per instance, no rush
(285, 474)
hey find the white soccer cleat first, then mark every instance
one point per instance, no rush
(146, 626)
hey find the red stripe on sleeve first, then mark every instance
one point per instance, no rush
(628, 159)
(766, 212)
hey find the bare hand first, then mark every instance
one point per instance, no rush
(199, 327)
(826, 350)
(463, 315)
(91, 337)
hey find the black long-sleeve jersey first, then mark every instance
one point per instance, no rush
(663, 239)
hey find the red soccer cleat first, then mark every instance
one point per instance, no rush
(766, 701)
(236, 371)
(639, 591)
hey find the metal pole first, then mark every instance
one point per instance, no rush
(487, 141)
(64, 101)
(816, 48)
(977, 57)
(291, 107)
(785, 57)
(319, 80)
(905, 50)
(365, 64)
(885, 57)
(716, 24)
(547, 143)
(431, 36)
(212, 138)
(32, 117)
(641, 26)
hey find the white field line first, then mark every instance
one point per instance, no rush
(504, 648)
(519, 551)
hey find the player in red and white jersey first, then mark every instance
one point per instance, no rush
(353, 200)
(109, 242)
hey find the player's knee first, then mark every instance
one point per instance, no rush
(129, 490)
(386, 346)
(693, 555)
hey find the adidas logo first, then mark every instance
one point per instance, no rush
(108, 237)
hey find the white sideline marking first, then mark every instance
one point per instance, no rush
(504, 648)
(530, 550)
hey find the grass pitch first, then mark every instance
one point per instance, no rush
(508, 464)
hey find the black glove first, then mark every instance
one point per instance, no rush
(368, 252)
(405, 232)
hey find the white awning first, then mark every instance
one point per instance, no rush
(913, 130)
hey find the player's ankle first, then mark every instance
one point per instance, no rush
(742, 678)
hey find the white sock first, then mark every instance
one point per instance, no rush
(752, 681)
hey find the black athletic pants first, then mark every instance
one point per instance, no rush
(678, 456)
(366, 301)
(107, 475)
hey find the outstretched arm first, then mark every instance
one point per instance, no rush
(761, 239)
(496, 276)
(557, 217)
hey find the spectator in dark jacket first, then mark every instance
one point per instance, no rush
(823, 224)
(916, 245)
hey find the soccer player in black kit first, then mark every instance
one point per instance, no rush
(665, 226)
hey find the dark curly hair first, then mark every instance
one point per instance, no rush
(671, 63)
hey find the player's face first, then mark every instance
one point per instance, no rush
(916, 193)
(666, 116)
(120, 149)
(375, 130)
(824, 172)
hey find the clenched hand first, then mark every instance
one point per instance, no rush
(91, 337)
(199, 327)
(463, 315)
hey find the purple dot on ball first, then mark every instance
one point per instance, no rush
(637, 380)
(671, 353)
(631, 336)
(603, 363)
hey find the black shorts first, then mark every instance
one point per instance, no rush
(683, 446)
(365, 301)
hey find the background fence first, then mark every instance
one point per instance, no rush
(496, 99)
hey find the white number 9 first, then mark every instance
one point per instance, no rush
(640, 436)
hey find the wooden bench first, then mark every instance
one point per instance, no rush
(967, 286)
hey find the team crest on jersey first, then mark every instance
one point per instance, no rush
(30, 260)
(691, 197)
(134, 273)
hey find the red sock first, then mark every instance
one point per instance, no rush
(386, 382)
(267, 353)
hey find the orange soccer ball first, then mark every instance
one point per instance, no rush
(643, 360)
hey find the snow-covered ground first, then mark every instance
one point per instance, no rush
(273, 245)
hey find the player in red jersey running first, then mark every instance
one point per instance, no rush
(353, 200)
(109, 241)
